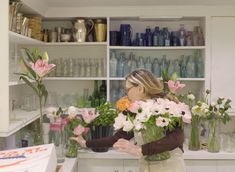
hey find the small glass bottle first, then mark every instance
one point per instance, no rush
(156, 36)
(182, 35)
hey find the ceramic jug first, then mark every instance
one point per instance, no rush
(80, 30)
(100, 30)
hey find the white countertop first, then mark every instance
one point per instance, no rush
(69, 165)
(112, 154)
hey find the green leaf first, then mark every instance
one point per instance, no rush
(29, 69)
(30, 55)
(24, 74)
(36, 54)
(29, 84)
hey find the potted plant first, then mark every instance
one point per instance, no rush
(102, 125)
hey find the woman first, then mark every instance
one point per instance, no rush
(142, 85)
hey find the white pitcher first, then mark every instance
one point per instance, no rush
(80, 30)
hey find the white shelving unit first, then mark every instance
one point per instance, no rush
(23, 118)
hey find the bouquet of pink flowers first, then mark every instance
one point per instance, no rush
(160, 112)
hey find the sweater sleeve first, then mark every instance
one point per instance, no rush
(110, 140)
(171, 141)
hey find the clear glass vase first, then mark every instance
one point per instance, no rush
(194, 141)
(213, 144)
(72, 149)
(153, 133)
(56, 136)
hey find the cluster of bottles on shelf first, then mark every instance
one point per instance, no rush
(191, 66)
(97, 97)
(159, 37)
(79, 67)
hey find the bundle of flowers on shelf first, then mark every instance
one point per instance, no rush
(35, 68)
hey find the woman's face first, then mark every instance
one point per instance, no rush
(134, 92)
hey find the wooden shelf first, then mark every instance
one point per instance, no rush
(23, 118)
(180, 79)
(76, 43)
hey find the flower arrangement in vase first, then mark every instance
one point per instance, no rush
(214, 113)
(36, 67)
(151, 118)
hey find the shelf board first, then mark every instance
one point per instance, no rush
(180, 79)
(23, 118)
(21, 39)
(74, 78)
(75, 43)
(157, 48)
(112, 154)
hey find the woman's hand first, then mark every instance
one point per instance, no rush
(80, 140)
(128, 147)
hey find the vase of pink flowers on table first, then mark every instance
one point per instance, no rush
(78, 121)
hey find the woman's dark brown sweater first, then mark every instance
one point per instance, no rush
(171, 141)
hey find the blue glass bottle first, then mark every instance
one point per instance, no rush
(148, 36)
(133, 65)
(182, 35)
(148, 64)
(140, 62)
(161, 38)
(164, 63)
(183, 63)
(113, 64)
(191, 67)
(156, 36)
(200, 66)
(166, 36)
(120, 65)
(156, 68)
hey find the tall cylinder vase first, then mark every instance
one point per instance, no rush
(213, 144)
(194, 141)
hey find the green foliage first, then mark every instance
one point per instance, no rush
(106, 115)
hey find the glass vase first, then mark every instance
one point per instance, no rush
(194, 141)
(72, 149)
(153, 133)
(56, 136)
(213, 144)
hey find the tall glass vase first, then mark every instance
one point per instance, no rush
(194, 141)
(39, 129)
(153, 133)
(213, 144)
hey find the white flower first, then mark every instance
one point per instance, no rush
(119, 121)
(162, 122)
(72, 111)
(191, 97)
(51, 113)
(138, 125)
(128, 125)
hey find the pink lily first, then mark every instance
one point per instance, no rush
(41, 67)
(175, 86)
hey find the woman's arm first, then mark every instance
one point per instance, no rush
(109, 141)
(171, 141)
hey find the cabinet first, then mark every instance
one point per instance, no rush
(222, 58)
(153, 56)
(65, 89)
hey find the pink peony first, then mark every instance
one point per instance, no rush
(88, 115)
(175, 86)
(41, 67)
(78, 130)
